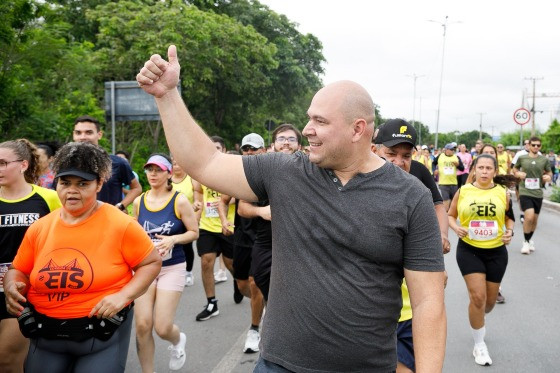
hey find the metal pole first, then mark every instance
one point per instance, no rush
(113, 150)
(444, 25)
(414, 77)
(534, 79)
(480, 126)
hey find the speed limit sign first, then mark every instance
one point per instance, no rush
(522, 116)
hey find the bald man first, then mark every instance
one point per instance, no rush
(346, 226)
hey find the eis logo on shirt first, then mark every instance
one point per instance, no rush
(483, 208)
(67, 271)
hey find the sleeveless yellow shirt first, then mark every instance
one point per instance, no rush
(483, 213)
(185, 187)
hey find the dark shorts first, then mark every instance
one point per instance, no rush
(527, 203)
(405, 347)
(448, 191)
(210, 242)
(492, 262)
(3, 311)
(260, 268)
(241, 262)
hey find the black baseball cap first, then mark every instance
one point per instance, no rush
(396, 131)
(75, 172)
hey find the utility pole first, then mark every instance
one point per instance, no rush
(534, 79)
(480, 126)
(414, 77)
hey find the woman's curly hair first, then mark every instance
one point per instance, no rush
(84, 157)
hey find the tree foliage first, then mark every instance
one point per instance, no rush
(242, 64)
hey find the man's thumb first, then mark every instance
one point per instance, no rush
(172, 54)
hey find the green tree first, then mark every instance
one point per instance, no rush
(551, 138)
(225, 65)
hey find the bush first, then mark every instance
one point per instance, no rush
(555, 196)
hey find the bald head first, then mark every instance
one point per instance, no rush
(355, 101)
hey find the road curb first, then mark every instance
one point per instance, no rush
(552, 206)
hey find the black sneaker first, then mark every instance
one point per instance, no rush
(237, 296)
(209, 311)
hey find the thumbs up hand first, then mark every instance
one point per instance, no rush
(158, 76)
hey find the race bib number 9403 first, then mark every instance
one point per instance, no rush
(483, 230)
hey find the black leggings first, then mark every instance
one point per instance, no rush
(189, 255)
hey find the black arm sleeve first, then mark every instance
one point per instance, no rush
(461, 166)
(434, 163)
(420, 171)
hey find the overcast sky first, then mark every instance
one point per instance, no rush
(491, 47)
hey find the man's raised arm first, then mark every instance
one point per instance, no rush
(191, 147)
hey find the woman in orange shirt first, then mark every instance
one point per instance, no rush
(77, 272)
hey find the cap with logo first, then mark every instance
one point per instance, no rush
(396, 131)
(254, 140)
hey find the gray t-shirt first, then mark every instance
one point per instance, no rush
(337, 262)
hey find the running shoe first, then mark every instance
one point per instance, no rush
(522, 218)
(189, 279)
(481, 356)
(210, 310)
(531, 246)
(178, 355)
(252, 342)
(500, 298)
(237, 296)
(220, 276)
(526, 248)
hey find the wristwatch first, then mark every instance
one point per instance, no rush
(509, 229)
(120, 206)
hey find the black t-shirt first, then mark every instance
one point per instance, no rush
(245, 230)
(17, 216)
(420, 171)
(112, 188)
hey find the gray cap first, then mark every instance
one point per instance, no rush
(254, 140)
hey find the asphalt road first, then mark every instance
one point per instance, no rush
(523, 334)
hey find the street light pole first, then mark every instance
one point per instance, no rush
(444, 25)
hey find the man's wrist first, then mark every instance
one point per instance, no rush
(120, 206)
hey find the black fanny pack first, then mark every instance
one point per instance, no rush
(34, 325)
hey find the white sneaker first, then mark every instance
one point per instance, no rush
(189, 279)
(481, 356)
(531, 246)
(252, 341)
(220, 276)
(526, 248)
(178, 355)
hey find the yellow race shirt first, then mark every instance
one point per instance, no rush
(447, 169)
(503, 161)
(406, 310)
(483, 213)
(210, 219)
(185, 187)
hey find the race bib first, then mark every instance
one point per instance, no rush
(532, 183)
(3, 269)
(483, 230)
(211, 210)
(447, 170)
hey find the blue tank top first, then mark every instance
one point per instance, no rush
(163, 222)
